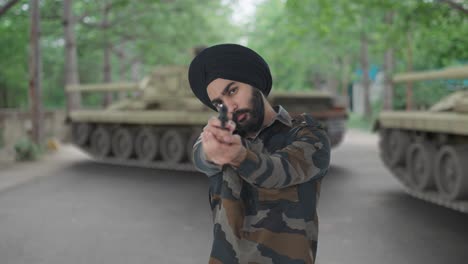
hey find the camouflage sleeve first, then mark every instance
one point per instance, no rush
(200, 162)
(307, 157)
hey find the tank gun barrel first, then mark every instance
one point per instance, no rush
(447, 73)
(103, 87)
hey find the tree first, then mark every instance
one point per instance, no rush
(325, 34)
(132, 30)
(148, 33)
(71, 59)
(35, 68)
(388, 67)
(455, 5)
(7, 6)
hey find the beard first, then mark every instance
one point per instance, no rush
(254, 118)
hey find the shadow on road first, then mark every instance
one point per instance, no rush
(336, 172)
(401, 203)
(94, 169)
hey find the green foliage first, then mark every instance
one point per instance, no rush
(360, 122)
(14, 58)
(150, 32)
(306, 38)
(294, 56)
(425, 94)
(304, 41)
(26, 150)
(154, 32)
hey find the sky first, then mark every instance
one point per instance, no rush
(244, 10)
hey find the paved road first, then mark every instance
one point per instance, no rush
(367, 218)
(68, 209)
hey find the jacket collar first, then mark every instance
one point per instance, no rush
(281, 115)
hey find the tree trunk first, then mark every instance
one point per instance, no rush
(122, 67)
(7, 6)
(35, 73)
(345, 77)
(71, 61)
(317, 81)
(107, 100)
(457, 6)
(136, 70)
(122, 70)
(3, 98)
(7, 99)
(389, 65)
(332, 85)
(409, 87)
(365, 74)
(136, 75)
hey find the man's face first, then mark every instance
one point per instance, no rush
(244, 103)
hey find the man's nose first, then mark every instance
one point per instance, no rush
(232, 107)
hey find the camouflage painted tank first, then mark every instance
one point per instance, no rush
(428, 150)
(159, 126)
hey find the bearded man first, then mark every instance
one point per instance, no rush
(264, 166)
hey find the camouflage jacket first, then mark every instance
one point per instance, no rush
(265, 210)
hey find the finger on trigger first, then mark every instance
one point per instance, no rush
(231, 125)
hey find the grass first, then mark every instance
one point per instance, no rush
(357, 121)
(27, 150)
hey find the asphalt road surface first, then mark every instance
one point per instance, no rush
(69, 209)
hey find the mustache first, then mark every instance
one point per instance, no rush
(237, 113)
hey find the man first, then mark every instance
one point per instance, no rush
(264, 167)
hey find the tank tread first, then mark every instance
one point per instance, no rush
(186, 166)
(431, 196)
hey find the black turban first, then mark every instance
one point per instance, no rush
(231, 62)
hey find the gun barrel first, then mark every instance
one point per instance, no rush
(223, 115)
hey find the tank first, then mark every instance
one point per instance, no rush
(427, 151)
(158, 125)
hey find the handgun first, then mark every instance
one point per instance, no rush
(223, 115)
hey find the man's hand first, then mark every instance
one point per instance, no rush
(220, 145)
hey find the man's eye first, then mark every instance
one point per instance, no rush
(233, 91)
(217, 105)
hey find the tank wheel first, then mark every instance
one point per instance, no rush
(451, 171)
(80, 133)
(147, 144)
(122, 143)
(101, 142)
(419, 163)
(394, 143)
(191, 141)
(173, 146)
